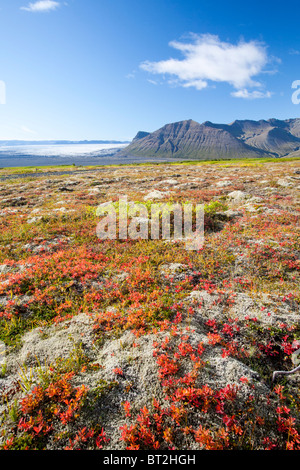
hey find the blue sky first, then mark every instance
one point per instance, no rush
(105, 69)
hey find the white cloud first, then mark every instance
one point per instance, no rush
(251, 95)
(198, 84)
(153, 82)
(208, 59)
(130, 75)
(27, 130)
(42, 6)
(294, 52)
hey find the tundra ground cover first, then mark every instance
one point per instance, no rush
(142, 344)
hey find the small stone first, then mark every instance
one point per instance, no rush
(223, 184)
(154, 195)
(238, 195)
(34, 220)
(284, 183)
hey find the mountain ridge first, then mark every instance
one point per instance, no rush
(239, 139)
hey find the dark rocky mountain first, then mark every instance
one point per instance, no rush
(240, 139)
(141, 135)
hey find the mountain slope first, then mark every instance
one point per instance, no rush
(240, 139)
(274, 136)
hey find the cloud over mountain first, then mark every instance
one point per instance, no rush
(208, 59)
